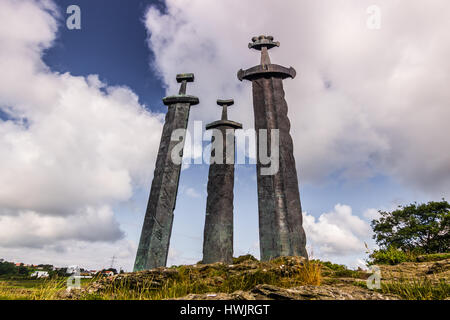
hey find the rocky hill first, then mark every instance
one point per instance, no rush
(291, 278)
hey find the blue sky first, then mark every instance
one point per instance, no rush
(81, 125)
(112, 44)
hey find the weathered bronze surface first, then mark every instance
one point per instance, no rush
(218, 232)
(280, 215)
(157, 228)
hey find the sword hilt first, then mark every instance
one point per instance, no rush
(263, 44)
(184, 78)
(225, 104)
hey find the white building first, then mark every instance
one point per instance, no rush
(40, 274)
(73, 269)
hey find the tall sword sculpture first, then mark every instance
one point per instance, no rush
(157, 228)
(280, 214)
(218, 233)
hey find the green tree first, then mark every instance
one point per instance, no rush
(22, 270)
(7, 268)
(415, 227)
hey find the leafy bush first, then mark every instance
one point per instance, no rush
(341, 271)
(392, 256)
(333, 266)
(247, 257)
(8, 268)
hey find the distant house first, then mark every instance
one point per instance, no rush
(85, 275)
(73, 269)
(18, 264)
(40, 274)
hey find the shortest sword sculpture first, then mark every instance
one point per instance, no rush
(157, 228)
(218, 233)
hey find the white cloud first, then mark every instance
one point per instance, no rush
(34, 230)
(177, 257)
(365, 102)
(361, 264)
(192, 193)
(253, 249)
(73, 147)
(371, 214)
(337, 233)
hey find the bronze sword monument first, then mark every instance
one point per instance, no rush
(218, 233)
(157, 228)
(280, 215)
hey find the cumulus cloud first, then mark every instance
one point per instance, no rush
(371, 214)
(365, 102)
(71, 147)
(34, 230)
(178, 257)
(337, 233)
(191, 192)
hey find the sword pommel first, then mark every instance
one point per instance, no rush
(188, 77)
(226, 103)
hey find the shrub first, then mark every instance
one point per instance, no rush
(247, 257)
(392, 256)
(333, 266)
(341, 271)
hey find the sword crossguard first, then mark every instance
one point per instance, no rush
(182, 97)
(224, 122)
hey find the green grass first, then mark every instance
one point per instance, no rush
(23, 289)
(418, 289)
(12, 290)
(34, 289)
(393, 256)
(433, 257)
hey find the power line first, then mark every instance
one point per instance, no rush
(112, 261)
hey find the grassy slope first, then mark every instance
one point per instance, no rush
(419, 280)
(34, 289)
